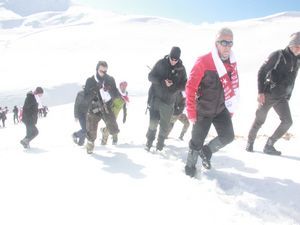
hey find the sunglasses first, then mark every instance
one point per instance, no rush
(174, 60)
(225, 43)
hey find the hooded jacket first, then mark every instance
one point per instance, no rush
(282, 73)
(164, 70)
(30, 109)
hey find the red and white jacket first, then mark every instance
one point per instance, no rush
(206, 90)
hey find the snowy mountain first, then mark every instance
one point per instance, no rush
(56, 182)
(28, 7)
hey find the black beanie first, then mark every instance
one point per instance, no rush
(39, 90)
(175, 53)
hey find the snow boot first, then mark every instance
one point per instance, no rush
(74, 137)
(115, 139)
(181, 136)
(269, 148)
(148, 145)
(249, 147)
(192, 158)
(205, 154)
(190, 171)
(25, 143)
(160, 143)
(89, 147)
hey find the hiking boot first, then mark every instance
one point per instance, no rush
(181, 136)
(74, 137)
(270, 150)
(160, 144)
(190, 171)
(205, 155)
(105, 135)
(25, 143)
(191, 161)
(148, 145)
(115, 139)
(81, 141)
(159, 147)
(249, 147)
(89, 147)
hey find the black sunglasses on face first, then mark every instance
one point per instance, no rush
(225, 43)
(175, 60)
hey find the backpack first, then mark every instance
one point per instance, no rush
(269, 82)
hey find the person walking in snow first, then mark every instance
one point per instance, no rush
(124, 93)
(30, 115)
(211, 96)
(3, 113)
(99, 91)
(80, 110)
(178, 114)
(276, 79)
(168, 77)
(118, 102)
(16, 114)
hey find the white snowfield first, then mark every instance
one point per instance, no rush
(57, 182)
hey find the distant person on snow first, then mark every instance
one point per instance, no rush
(276, 79)
(3, 113)
(124, 93)
(211, 96)
(99, 91)
(167, 77)
(30, 115)
(16, 114)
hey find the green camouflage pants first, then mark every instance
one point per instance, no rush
(116, 107)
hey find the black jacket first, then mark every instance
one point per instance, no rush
(164, 70)
(179, 104)
(30, 110)
(92, 90)
(81, 104)
(281, 75)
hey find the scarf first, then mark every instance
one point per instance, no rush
(230, 86)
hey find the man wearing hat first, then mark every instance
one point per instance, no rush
(167, 78)
(276, 79)
(30, 115)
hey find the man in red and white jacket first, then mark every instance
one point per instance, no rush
(211, 97)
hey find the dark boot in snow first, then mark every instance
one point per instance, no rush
(89, 147)
(269, 148)
(249, 147)
(25, 143)
(192, 158)
(205, 155)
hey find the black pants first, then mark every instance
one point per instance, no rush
(16, 118)
(81, 134)
(160, 114)
(223, 125)
(31, 131)
(281, 107)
